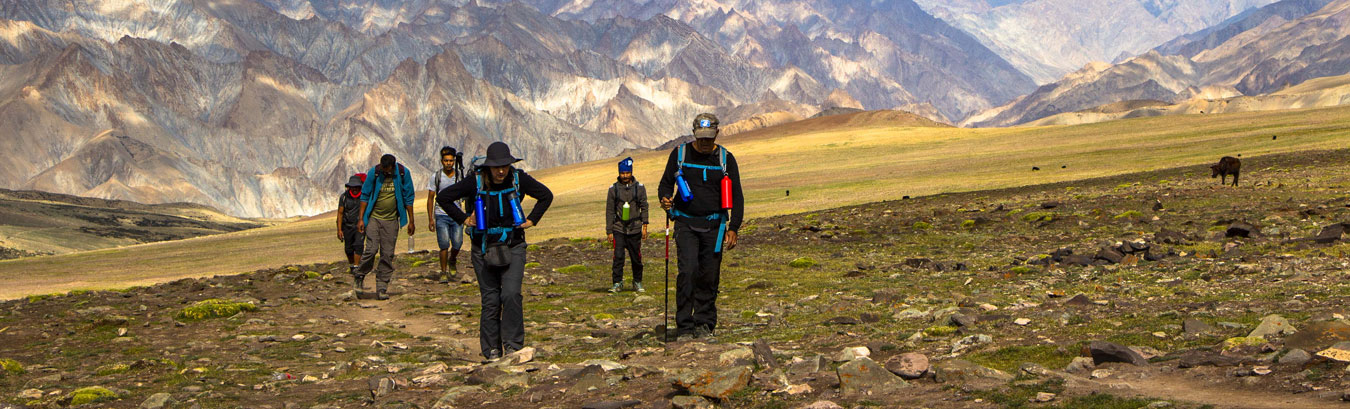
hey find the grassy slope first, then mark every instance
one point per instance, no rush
(861, 163)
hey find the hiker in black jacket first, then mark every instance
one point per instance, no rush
(707, 218)
(626, 223)
(497, 227)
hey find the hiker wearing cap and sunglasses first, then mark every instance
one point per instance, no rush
(701, 190)
(449, 234)
(497, 229)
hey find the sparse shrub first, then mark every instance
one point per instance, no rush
(215, 308)
(604, 316)
(91, 394)
(1131, 214)
(532, 247)
(1014, 212)
(747, 314)
(11, 367)
(922, 225)
(110, 369)
(531, 264)
(1019, 270)
(939, 330)
(1236, 342)
(1038, 216)
(293, 269)
(968, 224)
(802, 262)
(312, 275)
(40, 297)
(574, 269)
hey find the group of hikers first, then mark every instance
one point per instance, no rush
(699, 191)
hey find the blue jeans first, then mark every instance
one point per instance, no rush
(448, 233)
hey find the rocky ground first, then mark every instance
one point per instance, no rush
(1161, 289)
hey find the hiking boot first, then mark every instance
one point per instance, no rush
(704, 333)
(381, 295)
(638, 287)
(445, 278)
(358, 283)
(493, 355)
(615, 288)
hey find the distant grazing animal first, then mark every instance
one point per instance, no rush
(1228, 165)
(1035, 168)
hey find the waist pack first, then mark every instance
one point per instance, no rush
(497, 254)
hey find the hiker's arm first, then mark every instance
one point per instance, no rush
(340, 212)
(609, 209)
(542, 196)
(431, 209)
(446, 199)
(361, 221)
(737, 199)
(412, 226)
(642, 204)
(666, 189)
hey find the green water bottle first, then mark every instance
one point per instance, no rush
(625, 211)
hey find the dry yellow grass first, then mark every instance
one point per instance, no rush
(865, 161)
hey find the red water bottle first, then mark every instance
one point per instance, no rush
(726, 192)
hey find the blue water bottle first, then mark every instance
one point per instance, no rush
(685, 193)
(516, 213)
(479, 213)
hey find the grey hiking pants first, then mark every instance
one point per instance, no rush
(502, 320)
(381, 236)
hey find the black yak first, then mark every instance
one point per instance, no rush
(1228, 165)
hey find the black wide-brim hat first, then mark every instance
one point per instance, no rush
(498, 154)
(354, 181)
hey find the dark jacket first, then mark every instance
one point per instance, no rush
(351, 207)
(635, 194)
(707, 189)
(496, 217)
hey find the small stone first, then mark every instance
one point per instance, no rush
(1042, 397)
(1197, 327)
(612, 404)
(524, 355)
(1080, 365)
(1022, 321)
(691, 402)
(738, 356)
(909, 365)
(1162, 404)
(823, 404)
(309, 379)
(969, 342)
(719, 385)
(862, 377)
(1101, 373)
(157, 401)
(851, 353)
(298, 337)
(605, 364)
(30, 394)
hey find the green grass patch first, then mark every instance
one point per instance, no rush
(574, 269)
(802, 262)
(939, 330)
(922, 225)
(1022, 270)
(1009, 359)
(1038, 217)
(215, 308)
(111, 369)
(1132, 214)
(312, 275)
(11, 367)
(532, 264)
(92, 394)
(968, 224)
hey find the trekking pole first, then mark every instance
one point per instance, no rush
(665, 311)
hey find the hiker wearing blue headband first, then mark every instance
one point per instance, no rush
(626, 223)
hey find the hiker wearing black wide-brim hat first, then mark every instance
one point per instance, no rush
(701, 191)
(497, 227)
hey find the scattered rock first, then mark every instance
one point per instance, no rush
(1080, 365)
(1330, 234)
(1022, 322)
(851, 353)
(764, 354)
(524, 355)
(1319, 335)
(1273, 325)
(607, 365)
(969, 373)
(1239, 229)
(1080, 300)
(823, 404)
(158, 401)
(1042, 397)
(1103, 352)
(909, 365)
(1296, 357)
(863, 377)
(736, 357)
(612, 404)
(1198, 358)
(691, 402)
(30, 394)
(381, 386)
(712, 384)
(1340, 352)
(808, 365)
(969, 342)
(841, 321)
(1194, 326)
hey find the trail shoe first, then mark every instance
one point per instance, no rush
(638, 287)
(445, 278)
(358, 283)
(493, 355)
(382, 295)
(704, 333)
(615, 288)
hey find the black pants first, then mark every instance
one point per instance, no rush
(502, 320)
(696, 285)
(632, 245)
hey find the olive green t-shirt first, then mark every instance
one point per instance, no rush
(386, 206)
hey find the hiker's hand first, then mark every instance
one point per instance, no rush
(470, 222)
(341, 237)
(412, 228)
(666, 203)
(644, 232)
(526, 225)
(361, 226)
(730, 241)
(431, 225)
(610, 237)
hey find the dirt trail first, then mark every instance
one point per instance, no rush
(1220, 395)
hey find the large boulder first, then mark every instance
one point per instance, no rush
(1273, 325)
(715, 384)
(1319, 335)
(910, 365)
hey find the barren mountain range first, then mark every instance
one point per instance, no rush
(1259, 53)
(262, 108)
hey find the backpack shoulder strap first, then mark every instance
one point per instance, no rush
(722, 159)
(679, 159)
